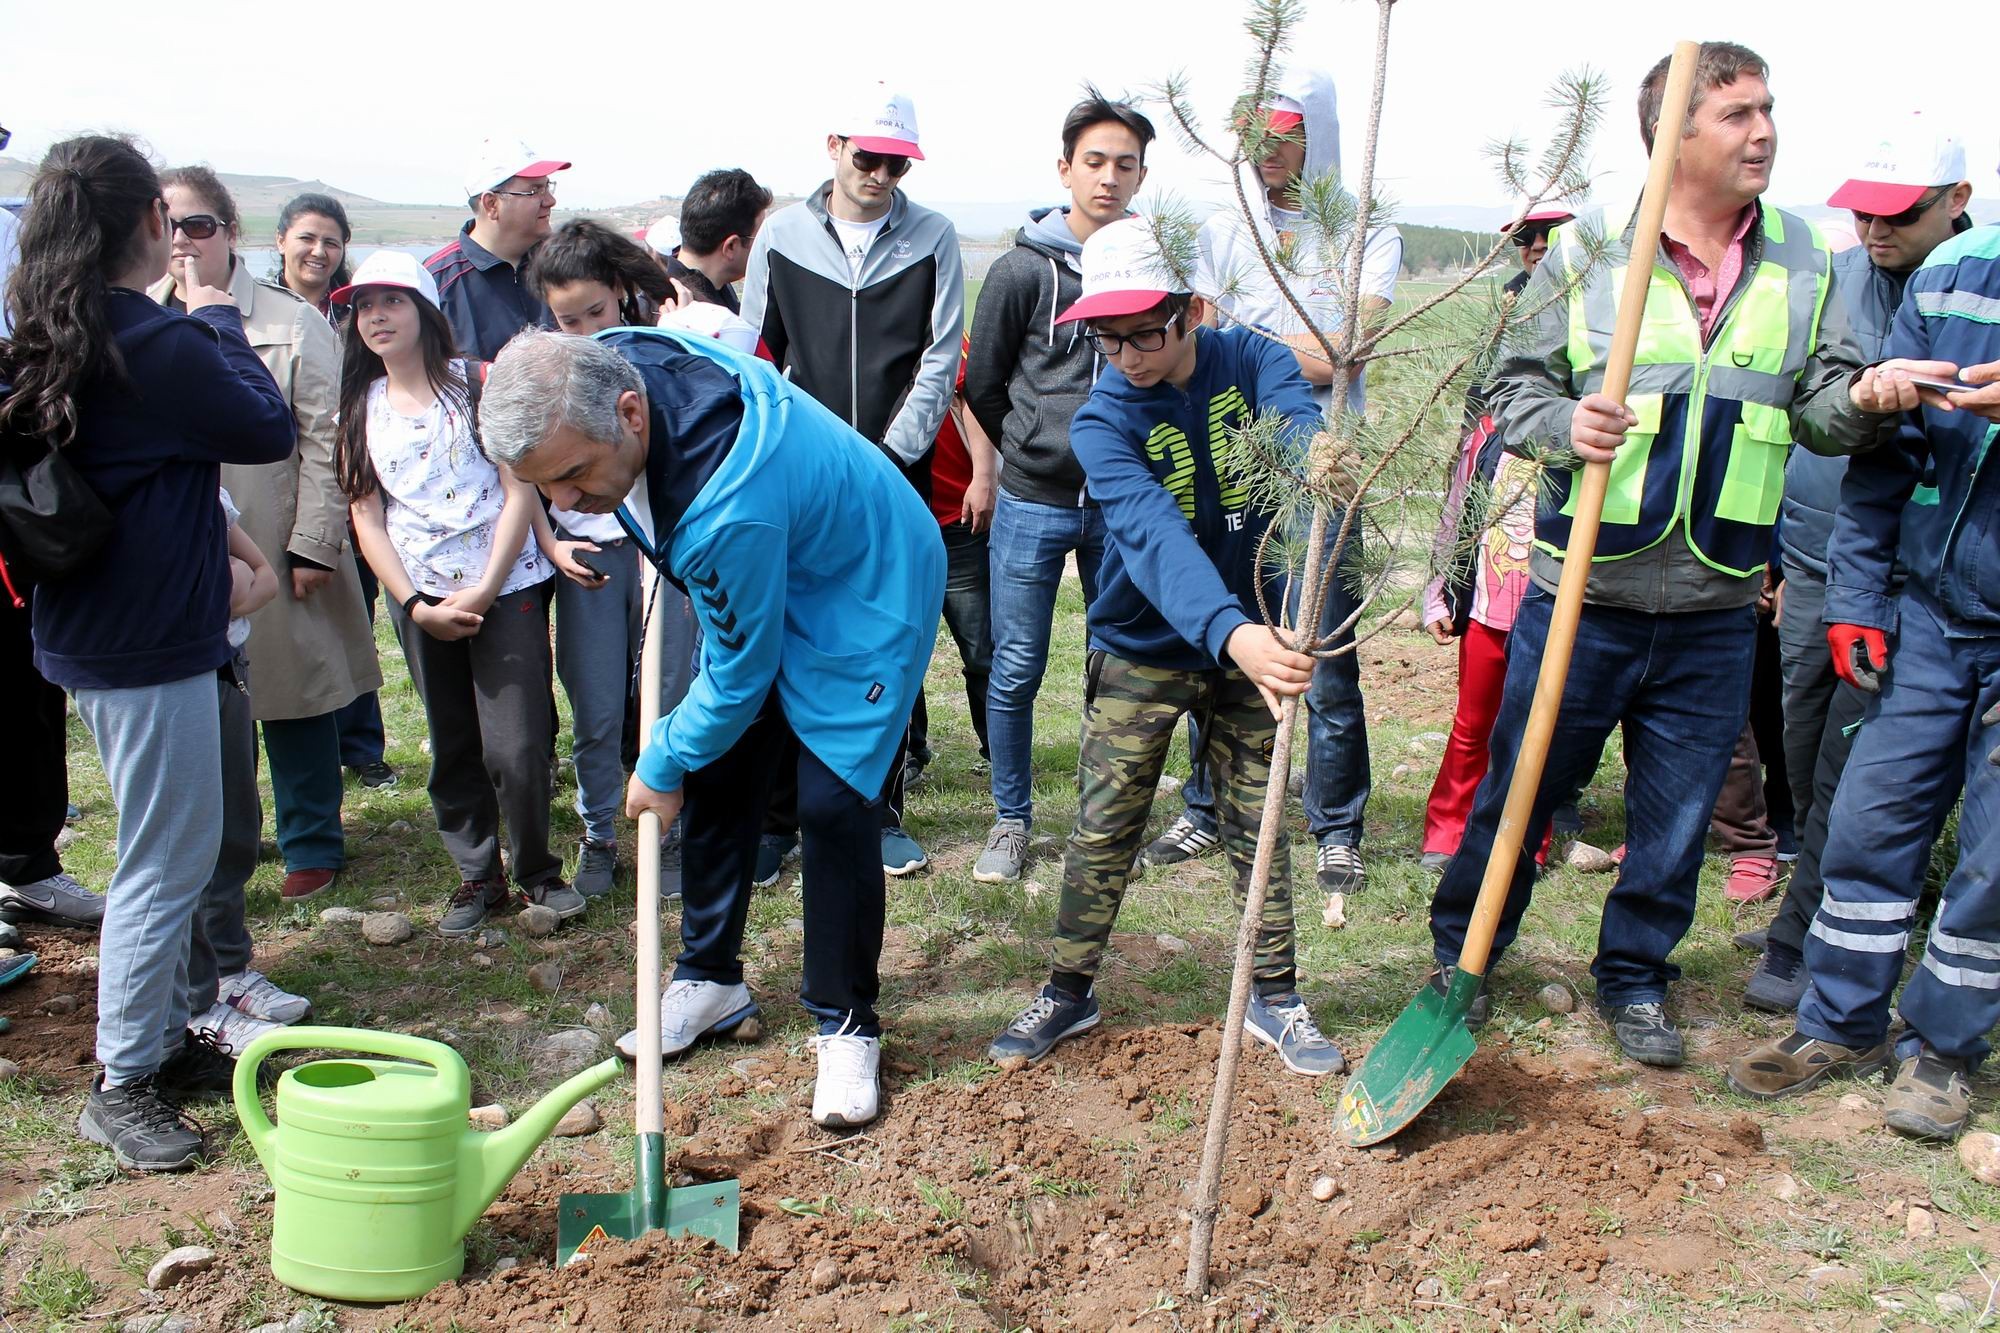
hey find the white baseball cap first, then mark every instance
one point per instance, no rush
(665, 234)
(498, 161)
(1895, 171)
(1124, 272)
(883, 122)
(390, 268)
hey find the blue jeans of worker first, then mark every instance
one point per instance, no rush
(1680, 685)
(1336, 759)
(360, 722)
(1029, 544)
(304, 754)
(1918, 738)
(161, 748)
(840, 871)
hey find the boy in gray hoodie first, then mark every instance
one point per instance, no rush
(1025, 376)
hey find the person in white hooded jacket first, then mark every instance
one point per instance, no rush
(1230, 272)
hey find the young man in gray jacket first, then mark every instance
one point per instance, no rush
(859, 297)
(1024, 379)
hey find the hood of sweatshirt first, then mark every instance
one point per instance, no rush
(1313, 90)
(1047, 231)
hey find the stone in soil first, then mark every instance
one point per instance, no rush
(1557, 999)
(1979, 1153)
(341, 916)
(546, 976)
(386, 928)
(178, 1265)
(581, 1119)
(157, 1323)
(1920, 1224)
(60, 1006)
(565, 1053)
(826, 1274)
(488, 1117)
(8, 1069)
(1586, 859)
(537, 921)
(1325, 1188)
(598, 1016)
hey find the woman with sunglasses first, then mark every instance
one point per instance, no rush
(311, 649)
(313, 237)
(146, 404)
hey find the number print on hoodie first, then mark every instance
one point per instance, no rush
(441, 496)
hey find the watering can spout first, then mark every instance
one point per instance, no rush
(488, 1161)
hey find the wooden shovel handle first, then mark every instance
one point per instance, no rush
(648, 1110)
(1527, 780)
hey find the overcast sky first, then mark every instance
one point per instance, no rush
(387, 99)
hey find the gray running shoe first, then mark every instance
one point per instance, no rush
(596, 867)
(1006, 853)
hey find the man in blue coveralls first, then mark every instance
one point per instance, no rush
(817, 574)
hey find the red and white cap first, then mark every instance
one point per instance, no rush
(500, 160)
(1286, 114)
(1548, 210)
(1896, 171)
(389, 268)
(664, 235)
(883, 122)
(1124, 272)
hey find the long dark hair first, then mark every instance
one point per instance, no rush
(361, 366)
(587, 251)
(84, 208)
(327, 207)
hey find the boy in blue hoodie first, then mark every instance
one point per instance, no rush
(1174, 627)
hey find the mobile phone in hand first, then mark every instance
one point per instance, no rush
(1941, 385)
(584, 561)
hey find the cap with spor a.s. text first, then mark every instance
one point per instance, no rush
(883, 122)
(498, 161)
(1897, 170)
(390, 268)
(1124, 272)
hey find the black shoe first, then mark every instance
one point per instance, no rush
(913, 772)
(1645, 1033)
(144, 1130)
(199, 1071)
(1752, 941)
(1482, 1004)
(1183, 841)
(1779, 982)
(375, 773)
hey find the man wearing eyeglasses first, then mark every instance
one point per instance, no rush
(511, 192)
(860, 299)
(1908, 195)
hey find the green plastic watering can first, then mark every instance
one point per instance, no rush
(377, 1175)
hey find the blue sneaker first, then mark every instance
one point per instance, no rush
(1036, 1029)
(900, 853)
(1283, 1023)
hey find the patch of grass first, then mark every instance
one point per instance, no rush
(67, 1194)
(1174, 1115)
(1062, 1189)
(947, 1205)
(55, 1289)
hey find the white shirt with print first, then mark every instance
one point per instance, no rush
(441, 497)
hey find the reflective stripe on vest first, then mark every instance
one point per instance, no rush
(1714, 426)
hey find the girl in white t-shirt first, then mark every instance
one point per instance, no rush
(445, 531)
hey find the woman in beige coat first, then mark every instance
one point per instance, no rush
(311, 650)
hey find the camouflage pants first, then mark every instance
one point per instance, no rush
(1129, 716)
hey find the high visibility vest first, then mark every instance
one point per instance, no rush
(1714, 424)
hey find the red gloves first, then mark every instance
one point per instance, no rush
(1860, 654)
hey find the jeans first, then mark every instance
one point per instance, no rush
(1680, 685)
(1336, 757)
(360, 722)
(304, 753)
(841, 872)
(218, 937)
(597, 645)
(34, 783)
(1920, 738)
(1030, 543)
(486, 707)
(966, 615)
(161, 747)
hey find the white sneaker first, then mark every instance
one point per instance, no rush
(254, 994)
(846, 1093)
(691, 1010)
(231, 1030)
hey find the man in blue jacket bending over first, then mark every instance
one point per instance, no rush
(818, 577)
(1174, 626)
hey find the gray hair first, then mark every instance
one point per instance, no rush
(542, 382)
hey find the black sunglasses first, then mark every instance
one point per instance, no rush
(1528, 233)
(196, 226)
(1907, 216)
(869, 163)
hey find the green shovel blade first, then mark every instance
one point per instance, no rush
(583, 1220)
(1426, 1045)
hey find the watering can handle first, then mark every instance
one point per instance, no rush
(397, 1046)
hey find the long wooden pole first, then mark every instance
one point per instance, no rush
(1527, 781)
(650, 1112)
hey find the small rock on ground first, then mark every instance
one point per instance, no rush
(60, 1005)
(488, 1117)
(1586, 859)
(597, 1016)
(178, 1265)
(1325, 1188)
(157, 1323)
(1980, 1155)
(566, 1052)
(546, 976)
(537, 921)
(384, 928)
(1920, 1224)
(1950, 1302)
(341, 916)
(581, 1119)
(826, 1274)
(8, 1069)
(1556, 998)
